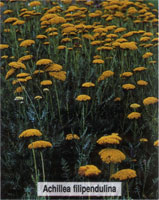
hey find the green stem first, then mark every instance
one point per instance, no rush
(42, 162)
(35, 166)
(127, 189)
(58, 102)
(111, 169)
(83, 117)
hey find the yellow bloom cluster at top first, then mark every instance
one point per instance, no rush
(110, 139)
(89, 170)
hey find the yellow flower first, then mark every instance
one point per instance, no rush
(61, 47)
(1, 4)
(139, 69)
(128, 86)
(38, 97)
(150, 100)
(10, 19)
(134, 115)
(39, 144)
(66, 40)
(9, 73)
(141, 82)
(88, 36)
(118, 30)
(28, 78)
(19, 89)
(46, 82)
(134, 105)
(4, 46)
(89, 170)
(147, 55)
(148, 34)
(44, 62)
(144, 39)
(22, 75)
(18, 22)
(34, 3)
(57, 20)
(61, 75)
(72, 136)
(19, 98)
(109, 139)
(112, 36)
(88, 84)
(83, 97)
(143, 140)
(111, 155)
(27, 43)
(46, 89)
(30, 132)
(41, 36)
(38, 72)
(24, 58)
(117, 99)
(4, 57)
(105, 75)
(126, 74)
(156, 143)
(128, 45)
(53, 67)
(17, 65)
(7, 12)
(124, 174)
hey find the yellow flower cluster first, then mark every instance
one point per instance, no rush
(134, 115)
(83, 97)
(110, 139)
(89, 170)
(39, 144)
(150, 100)
(124, 174)
(30, 132)
(44, 62)
(105, 75)
(72, 136)
(88, 84)
(46, 82)
(128, 86)
(111, 155)
(27, 43)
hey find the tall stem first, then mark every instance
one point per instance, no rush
(35, 166)
(127, 189)
(43, 169)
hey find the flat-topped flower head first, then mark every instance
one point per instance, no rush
(139, 69)
(54, 68)
(128, 86)
(83, 97)
(134, 115)
(134, 105)
(34, 3)
(150, 100)
(61, 75)
(124, 174)
(72, 136)
(4, 46)
(30, 133)
(147, 55)
(44, 62)
(156, 143)
(88, 84)
(142, 83)
(143, 140)
(89, 170)
(39, 144)
(111, 155)
(17, 65)
(105, 75)
(98, 61)
(24, 58)
(109, 139)
(27, 43)
(46, 82)
(126, 74)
